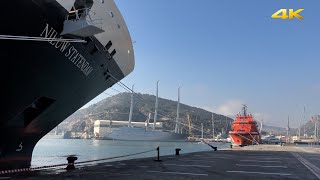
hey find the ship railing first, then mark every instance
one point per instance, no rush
(84, 13)
(78, 14)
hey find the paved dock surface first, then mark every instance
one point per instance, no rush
(226, 164)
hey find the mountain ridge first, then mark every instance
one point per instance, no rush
(117, 107)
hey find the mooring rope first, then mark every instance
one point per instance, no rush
(213, 147)
(254, 139)
(65, 164)
(96, 160)
(245, 138)
(28, 38)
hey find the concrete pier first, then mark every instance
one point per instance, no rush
(253, 162)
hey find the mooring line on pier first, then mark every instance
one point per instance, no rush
(67, 164)
(104, 159)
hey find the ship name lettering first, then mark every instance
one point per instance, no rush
(67, 49)
(75, 57)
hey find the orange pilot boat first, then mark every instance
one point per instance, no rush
(244, 130)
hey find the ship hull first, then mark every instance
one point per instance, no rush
(45, 81)
(141, 134)
(244, 139)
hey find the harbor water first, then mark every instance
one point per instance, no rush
(54, 151)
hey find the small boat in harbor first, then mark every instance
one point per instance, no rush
(244, 130)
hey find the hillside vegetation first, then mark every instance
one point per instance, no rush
(117, 107)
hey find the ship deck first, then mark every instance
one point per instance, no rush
(254, 162)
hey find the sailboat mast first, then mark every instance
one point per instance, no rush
(202, 130)
(212, 126)
(304, 119)
(148, 120)
(314, 119)
(317, 129)
(299, 130)
(176, 130)
(189, 124)
(131, 107)
(156, 109)
(288, 131)
(56, 130)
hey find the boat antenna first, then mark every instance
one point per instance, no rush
(244, 108)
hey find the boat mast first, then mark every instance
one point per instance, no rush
(189, 124)
(315, 127)
(56, 130)
(148, 120)
(304, 119)
(202, 130)
(156, 109)
(131, 107)
(288, 132)
(212, 126)
(176, 130)
(299, 130)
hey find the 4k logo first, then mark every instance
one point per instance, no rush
(283, 14)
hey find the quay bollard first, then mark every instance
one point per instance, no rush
(158, 157)
(177, 151)
(71, 160)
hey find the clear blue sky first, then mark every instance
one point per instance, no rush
(225, 53)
